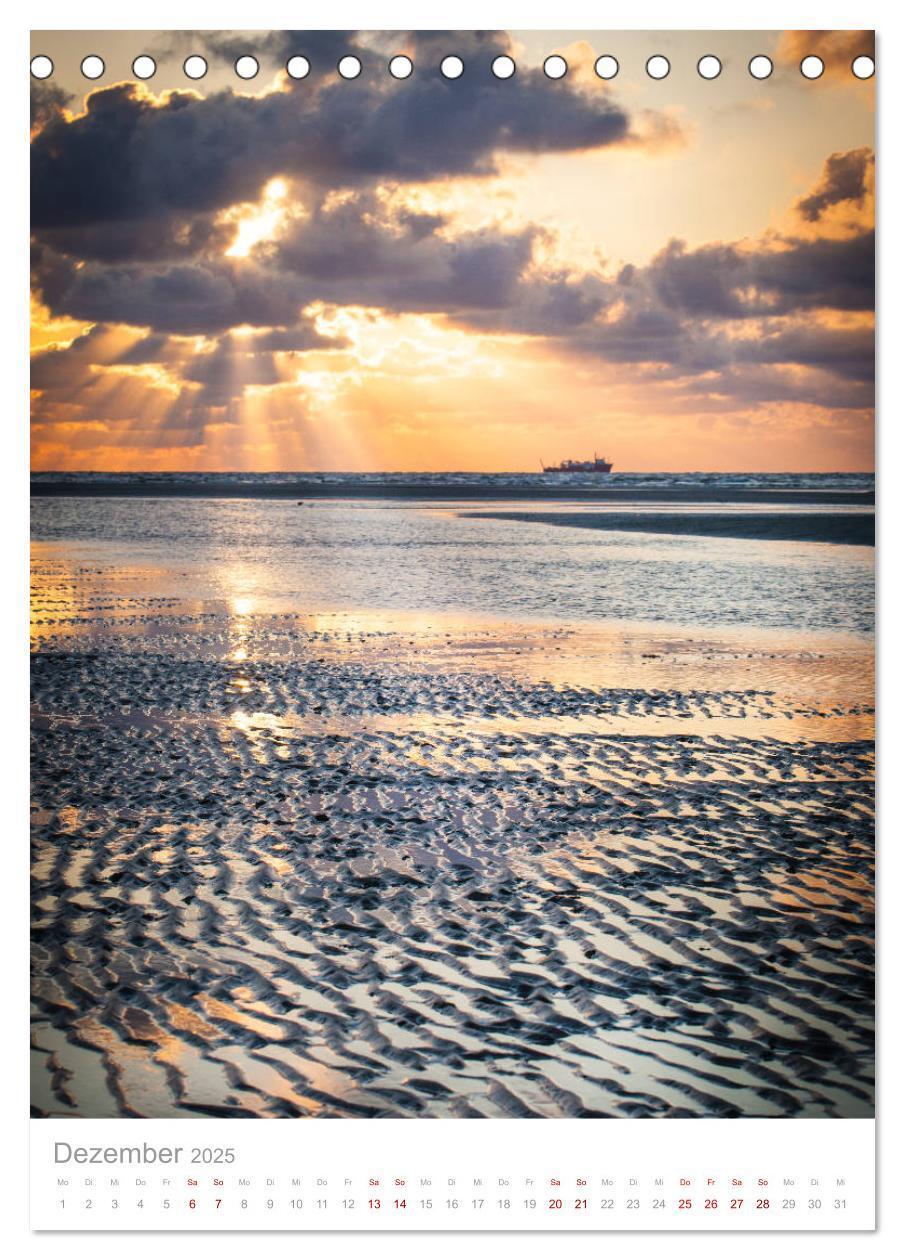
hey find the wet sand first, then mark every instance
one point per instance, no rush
(389, 865)
(413, 488)
(853, 528)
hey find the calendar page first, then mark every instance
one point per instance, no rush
(452, 664)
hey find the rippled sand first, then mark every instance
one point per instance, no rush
(393, 866)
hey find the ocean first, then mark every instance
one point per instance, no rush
(449, 554)
(531, 482)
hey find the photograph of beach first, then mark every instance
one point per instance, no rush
(452, 615)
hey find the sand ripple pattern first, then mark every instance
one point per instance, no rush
(304, 885)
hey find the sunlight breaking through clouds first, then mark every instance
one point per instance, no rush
(436, 275)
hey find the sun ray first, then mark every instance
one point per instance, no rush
(263, 221)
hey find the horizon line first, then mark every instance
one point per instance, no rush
(419, 472)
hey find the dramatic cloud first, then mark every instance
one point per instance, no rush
(352, 264)
(162, 239)
(324, 49)
(48, 101)
(732, 282)
(844, 179)
(836, 49)
(203, 297)
(352, 252)
(130, 157)
(208, 246)
(72, 366)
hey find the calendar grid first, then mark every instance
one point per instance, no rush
(602, 1175)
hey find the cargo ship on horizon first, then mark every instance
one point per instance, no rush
(595, 465)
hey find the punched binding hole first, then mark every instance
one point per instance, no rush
(298, 67)
(194, 67)
(400, 67)
(863, 67)
(349, 67)
(144, 67)
(92, 67)
(452, 67)
(247, 67)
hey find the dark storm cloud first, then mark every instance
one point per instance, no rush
(730, 282)
(128, 159)
(351, 256)
(677, 313)
(126, 200)
(847, 352)
(647, 335)
(838, 274)
(680, 347)
(151, 239)
(343, 255)
(47, 103)
(559, 302)
(324, 49)
(476, 48)
(420, 225)
(200, 297)
(703, 282)
(844, 179)
(746, 385)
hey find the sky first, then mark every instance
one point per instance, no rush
(469, 274)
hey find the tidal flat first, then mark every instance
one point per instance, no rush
(292, 858)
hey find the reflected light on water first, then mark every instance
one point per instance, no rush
(242, 607)
(262, 556)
